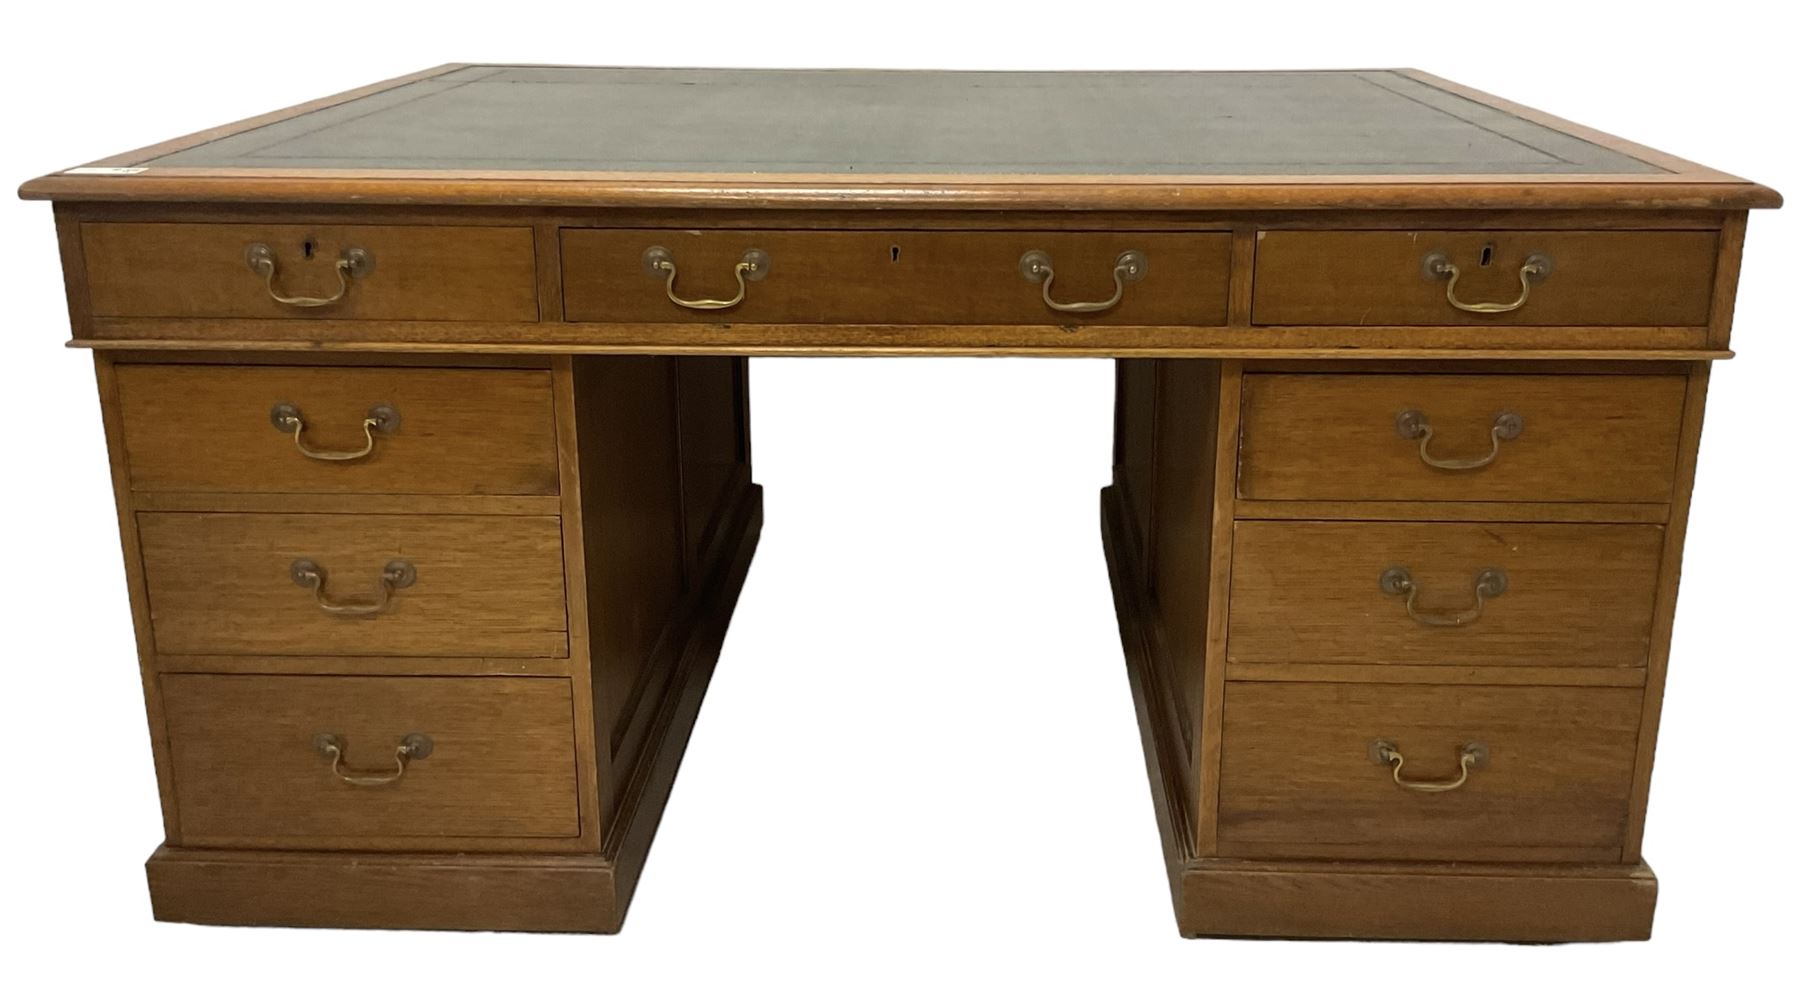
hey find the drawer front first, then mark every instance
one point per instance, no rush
(251, 758)
(219, 428)
(381, 585)
(1404, 278)
(896, 277)
(1550, 438)
(1443, 593)
(1550, 779)
(394, 272)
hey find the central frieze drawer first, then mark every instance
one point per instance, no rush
(358, 429)
(801, 277)
(1460, 438)
(1475, 277)
(1509, 594)
(317, 760)
(1412, 772)
(355, 585)
(349, 272)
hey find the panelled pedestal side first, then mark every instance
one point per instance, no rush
(421, 637)
(1398, 630)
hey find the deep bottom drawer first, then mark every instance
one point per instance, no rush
(1550, 774)
(252, 764)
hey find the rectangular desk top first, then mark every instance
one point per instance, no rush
(522, 135)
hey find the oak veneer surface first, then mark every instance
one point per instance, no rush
(441, 273)
(895, 277)
(1577, 594)
(1297, 781)
(487, 585)
(191, 428)
(1368, 277)
(502, 761)
(1584, 438)
(1284, 214)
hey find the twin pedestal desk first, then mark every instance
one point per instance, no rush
(428, 417)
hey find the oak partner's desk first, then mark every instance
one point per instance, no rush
(431, 543)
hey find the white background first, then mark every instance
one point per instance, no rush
(918, 757)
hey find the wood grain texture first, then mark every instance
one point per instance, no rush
(1639, 512)
(633, 546)
(1596, 278)
(143, 631)
(1725, 278)
(1630, 677)
(586, 892)
(1181, 540)
(1518, 901)
(219, 584)
(1346, 346)
(1576, 595)
(1209, 735)
(1135, 383)
(1585, 438)
(886, 277)
(582, 516)
(207, 428)
(1296, 780)
(1166, 758)
(704, 616)
(754, 193)
(1693, 415)
(592, 765)
(1460, 902)
(712, 398)
(337, 503)
(576, 893)
(199, 270)
(246, 770)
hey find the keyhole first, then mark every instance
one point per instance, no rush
(1487, 255)
(894, 254)
(309, 247)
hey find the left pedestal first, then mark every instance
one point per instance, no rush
(423, 637)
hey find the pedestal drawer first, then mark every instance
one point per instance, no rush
(1375, 772)
(348, 272)
(1462, 438)
(338, 429)
(1506, 594)
(358, 585)
(950, 277)
(317, 761)
(1500, 277)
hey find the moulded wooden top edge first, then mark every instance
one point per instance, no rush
(1683, 184)
(946, 192)
(954, 351)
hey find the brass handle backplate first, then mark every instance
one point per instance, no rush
(381, 418)
(397, 575)
(353, 263)
(1415, 425)
(1130, 267)
(412, 747)
(1471, 755)
(752, 266)
(1398, 582)
(1437, 266)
